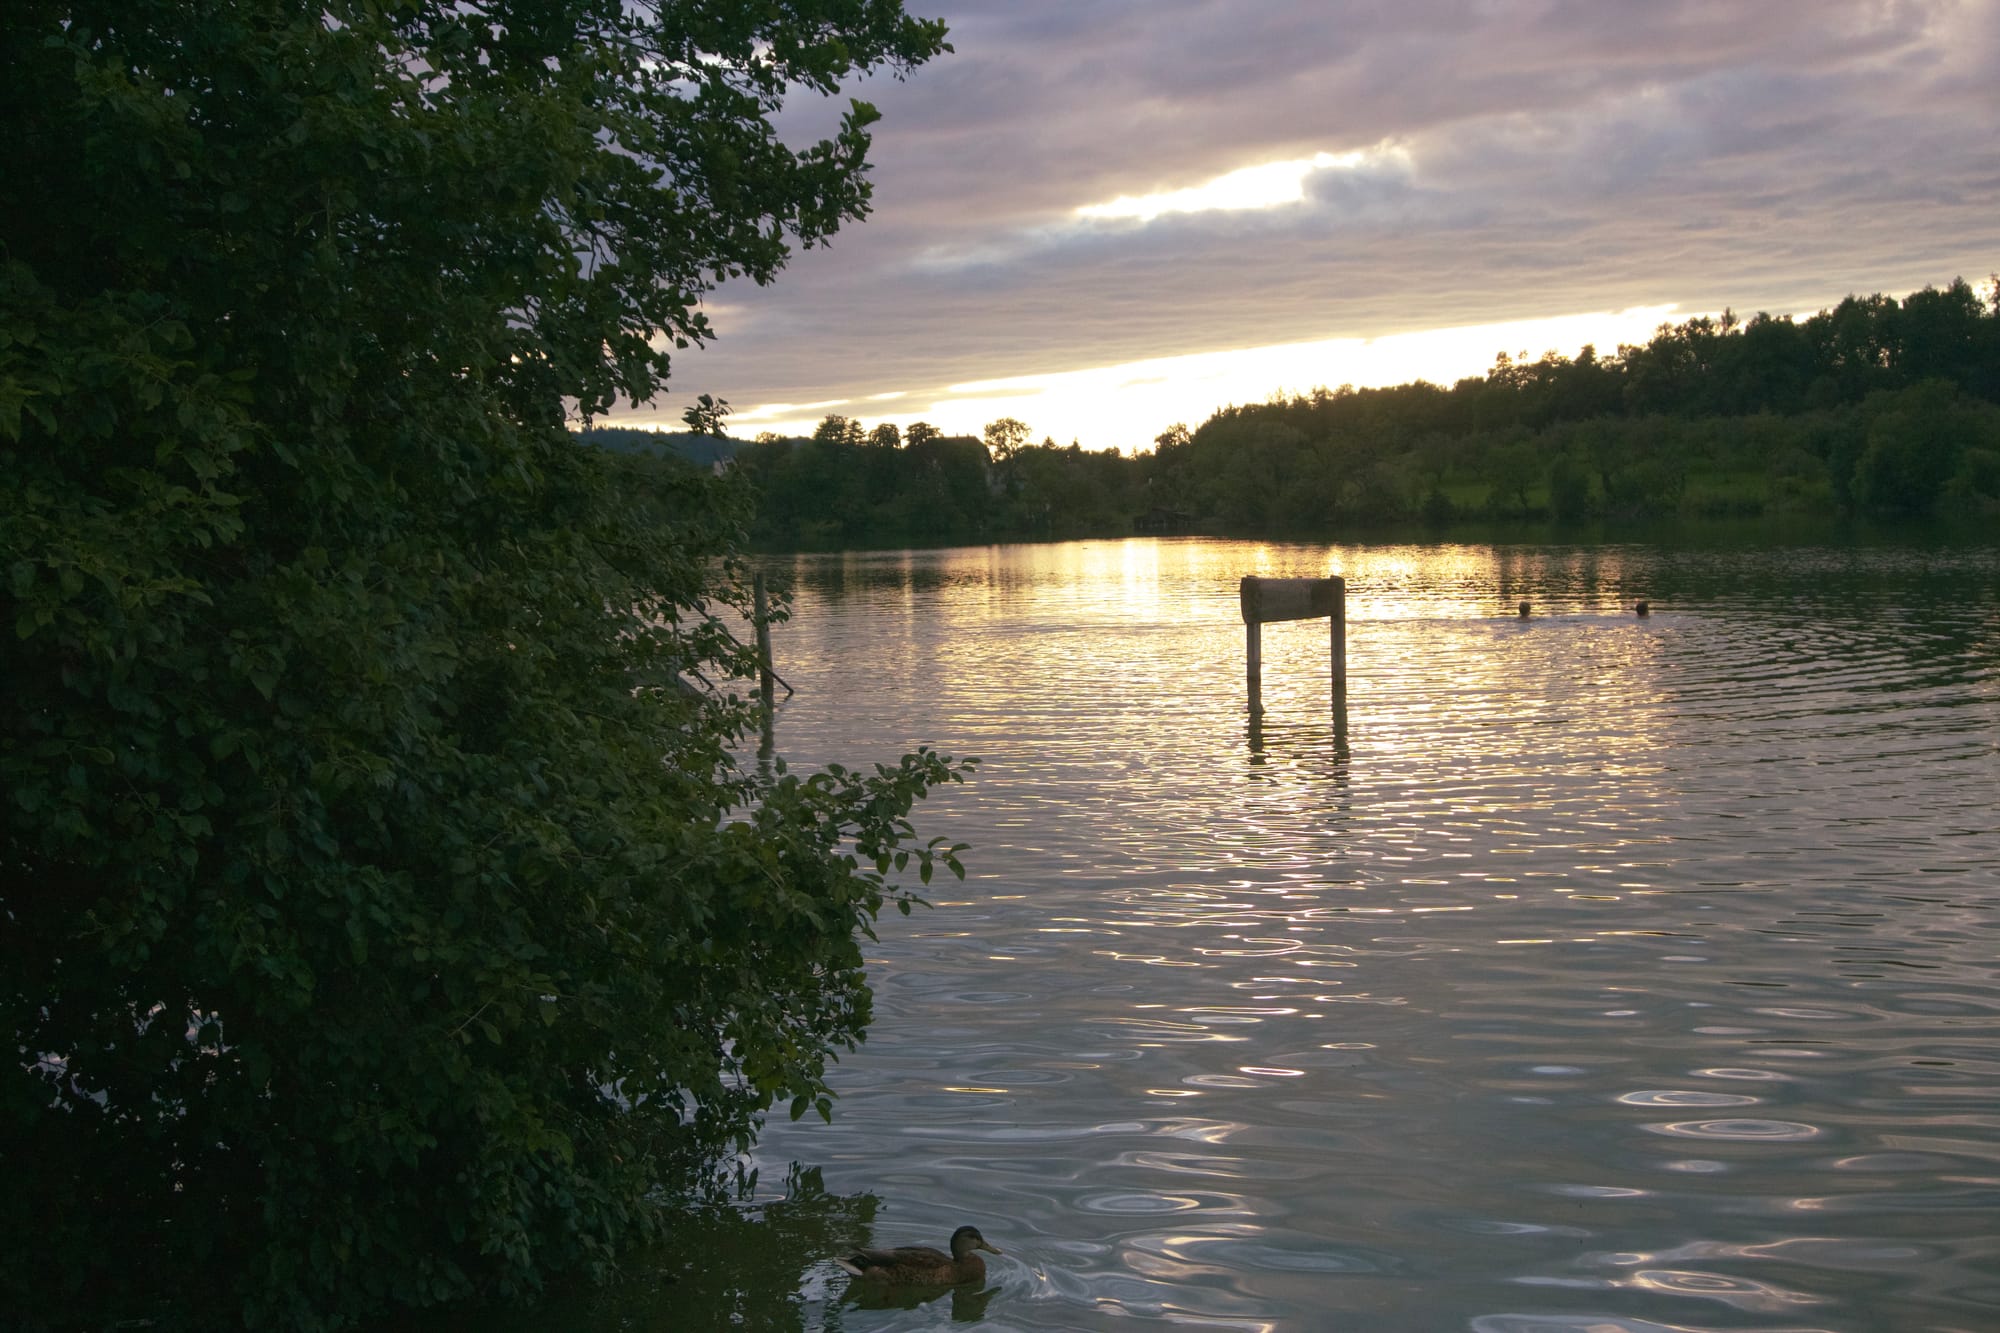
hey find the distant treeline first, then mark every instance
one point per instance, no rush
(1876, 406)
(850, 486)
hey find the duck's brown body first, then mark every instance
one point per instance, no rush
(922, 1266)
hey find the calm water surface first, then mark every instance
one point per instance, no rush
(1599, 974)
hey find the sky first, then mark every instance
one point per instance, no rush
(1105, 217)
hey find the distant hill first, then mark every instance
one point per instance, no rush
(701, 450)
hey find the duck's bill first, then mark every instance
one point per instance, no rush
(989, 1248)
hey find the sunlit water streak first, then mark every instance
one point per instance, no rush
(1604, 973)
(1614, 973)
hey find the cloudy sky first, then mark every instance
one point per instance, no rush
(1106, 216)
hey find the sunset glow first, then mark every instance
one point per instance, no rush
(1103, 221)
(1126, 406)
(1265, 186)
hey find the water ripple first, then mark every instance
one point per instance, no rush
(1571, 942)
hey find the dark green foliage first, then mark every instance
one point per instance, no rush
(1916, 443)
(1877, 405)
(849, 486)
(727, 1262)
(382, 918)
(1569, 490)
(702, 450)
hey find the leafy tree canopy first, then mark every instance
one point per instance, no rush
(707, 415)
(1005, 438)
(382, 917)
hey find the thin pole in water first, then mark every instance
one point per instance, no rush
(1253, 659)
(761, 613)
(1337, 633)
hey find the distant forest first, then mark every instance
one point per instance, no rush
(1877, 406)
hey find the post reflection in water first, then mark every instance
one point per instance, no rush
(963, 1305)
(1584, 971)
(1334, 738)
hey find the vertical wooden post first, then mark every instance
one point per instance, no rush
(1253, 663)
(761, 613)
(1337, 633)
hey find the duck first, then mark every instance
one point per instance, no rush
(922, 1266)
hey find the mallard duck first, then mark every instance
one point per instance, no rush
(922, 1266)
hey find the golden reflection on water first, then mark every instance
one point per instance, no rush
(1438, 978)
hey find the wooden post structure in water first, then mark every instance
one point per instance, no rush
(761, 613)
(1268, 600)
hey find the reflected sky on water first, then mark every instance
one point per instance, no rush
(1606, 973)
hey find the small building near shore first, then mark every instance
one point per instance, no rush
(1158, 521)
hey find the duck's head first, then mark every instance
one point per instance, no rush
(967, 1239)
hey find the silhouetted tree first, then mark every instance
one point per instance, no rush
(383, 918)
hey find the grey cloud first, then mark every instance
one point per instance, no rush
(1179, 89)
(1564, 156)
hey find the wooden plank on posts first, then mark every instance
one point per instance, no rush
(1267, 600)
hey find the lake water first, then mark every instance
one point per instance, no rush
(1601, 973)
